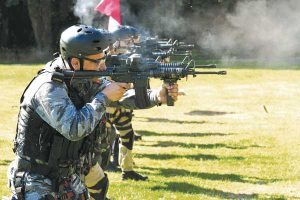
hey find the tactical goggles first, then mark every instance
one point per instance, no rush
(97, 61)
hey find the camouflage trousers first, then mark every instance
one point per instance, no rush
(122, 120)
(36, 186)
(96, 180)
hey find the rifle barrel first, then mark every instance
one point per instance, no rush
(206, 66)
(218, 73)
(185, 47)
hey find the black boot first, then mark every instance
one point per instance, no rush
(112, 167)
(132, 175)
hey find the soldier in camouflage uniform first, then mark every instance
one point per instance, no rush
(120, 118)
(125, 107)
(61, 122)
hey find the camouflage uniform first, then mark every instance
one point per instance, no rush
(38, 186)
(56, 134)
(121, 118)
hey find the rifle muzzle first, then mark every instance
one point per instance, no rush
(206, 66)
(218, 73)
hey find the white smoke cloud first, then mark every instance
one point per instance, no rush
(258, 29)
(255, 29)
(85, 11)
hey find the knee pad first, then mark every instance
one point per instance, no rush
(99, 190)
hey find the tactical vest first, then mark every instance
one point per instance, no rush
(46, 150)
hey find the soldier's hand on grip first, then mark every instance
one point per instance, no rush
(172, 91)
(115, 90)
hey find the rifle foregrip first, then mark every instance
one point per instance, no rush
(170, 100)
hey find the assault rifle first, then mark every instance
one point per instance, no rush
(150, 46)
(155, 44)
(161, 49)
(137, 70)
(158, 54)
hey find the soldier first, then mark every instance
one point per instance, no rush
(121, 118)
(61, 122)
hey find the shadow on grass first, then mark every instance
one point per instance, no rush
(192, 157)
(5, 162)
(170, 172)
(188, 188)
(201, 146)
(149, 119)
(151, 133)
(207, 113)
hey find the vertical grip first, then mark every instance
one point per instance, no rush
(170, 100)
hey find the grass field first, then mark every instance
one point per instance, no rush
(229, 137)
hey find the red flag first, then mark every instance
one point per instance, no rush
(112, 9)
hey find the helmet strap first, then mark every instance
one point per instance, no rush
(69, 63)
(81, 64)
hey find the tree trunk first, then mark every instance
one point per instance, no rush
(4, 33)
(40, 16)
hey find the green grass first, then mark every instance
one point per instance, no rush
(229, 137)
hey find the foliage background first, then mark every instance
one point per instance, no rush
(30, 29)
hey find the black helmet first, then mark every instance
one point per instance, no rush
(125, 32)
(81, 40)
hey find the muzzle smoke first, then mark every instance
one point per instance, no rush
(257, 30)
(261, 30)
(85, 11)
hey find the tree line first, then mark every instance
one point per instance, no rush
(37, 24)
